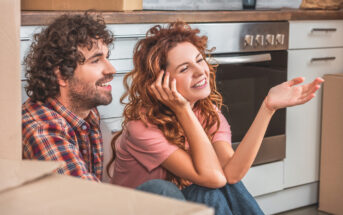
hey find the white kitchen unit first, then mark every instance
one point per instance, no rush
(315, 49)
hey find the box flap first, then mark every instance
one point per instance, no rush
(16, 172)
(339, 75)
(61, 194)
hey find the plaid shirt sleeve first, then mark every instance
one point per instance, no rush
(55, 144)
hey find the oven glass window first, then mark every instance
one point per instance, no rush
(244, 87)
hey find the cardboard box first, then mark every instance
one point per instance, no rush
(331, 164)
(31, 187)
(103, 5)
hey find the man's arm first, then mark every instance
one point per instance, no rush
(54, 146)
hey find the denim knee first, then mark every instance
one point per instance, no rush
(162, 187)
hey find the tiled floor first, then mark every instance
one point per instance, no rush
(309, 210)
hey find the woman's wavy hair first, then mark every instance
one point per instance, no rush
(56, 47)
(150, 57)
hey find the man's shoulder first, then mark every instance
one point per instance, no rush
(38, 115)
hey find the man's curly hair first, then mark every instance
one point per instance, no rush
(56, 47)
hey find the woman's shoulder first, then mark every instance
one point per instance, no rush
(138, 129)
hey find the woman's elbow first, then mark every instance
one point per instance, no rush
(233, 179)
(216, 181)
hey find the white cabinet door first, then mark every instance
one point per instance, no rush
(303, 123)
(264, 178)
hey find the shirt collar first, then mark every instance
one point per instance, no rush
(73, 119)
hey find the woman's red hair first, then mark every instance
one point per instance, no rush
(150, 57)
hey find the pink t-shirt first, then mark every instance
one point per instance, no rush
(141, 149)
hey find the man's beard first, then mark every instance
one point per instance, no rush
(85, 96)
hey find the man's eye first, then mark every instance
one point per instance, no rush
(201, 59)
(95, 61)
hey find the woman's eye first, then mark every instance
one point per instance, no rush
(184, 69)
(201, 59)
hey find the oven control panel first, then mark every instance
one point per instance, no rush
(264, 40)
(245, 36)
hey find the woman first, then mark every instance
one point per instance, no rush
(173, 128)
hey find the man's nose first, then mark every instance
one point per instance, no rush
(110, 70)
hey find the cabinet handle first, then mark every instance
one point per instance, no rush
(324, 29)
(322, 59)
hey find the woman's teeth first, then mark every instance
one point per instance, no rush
(200, 84)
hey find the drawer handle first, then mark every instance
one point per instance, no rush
(132, 36)
(25, 39)
(324, 29)
(322, 59)
(113, 131)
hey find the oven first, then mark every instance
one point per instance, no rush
(251, 58)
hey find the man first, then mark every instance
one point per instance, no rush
(68, 75)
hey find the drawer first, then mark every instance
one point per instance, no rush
(314, 62)
(122, 65)
(115, 109)
(126, 37)
(315, 34)
(264, 178)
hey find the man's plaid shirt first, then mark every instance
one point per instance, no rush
(52, 132)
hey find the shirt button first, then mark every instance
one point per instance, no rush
(84, 127)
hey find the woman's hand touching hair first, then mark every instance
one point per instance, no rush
(166, 92)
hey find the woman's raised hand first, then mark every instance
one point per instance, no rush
(165, 91)
(289, 94)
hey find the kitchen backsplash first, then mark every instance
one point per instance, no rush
(216, 4)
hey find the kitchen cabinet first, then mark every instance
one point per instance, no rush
(315, 49)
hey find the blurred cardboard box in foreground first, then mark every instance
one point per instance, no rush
(331, 164)
(103, 5)
(32, 187)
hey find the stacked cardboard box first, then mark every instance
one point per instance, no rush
(331, 164)
(103, 5)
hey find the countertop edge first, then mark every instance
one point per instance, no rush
(29, 18)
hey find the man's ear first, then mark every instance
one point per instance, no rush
(61, 81)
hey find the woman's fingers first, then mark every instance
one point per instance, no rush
(295, 81)
(159, 85)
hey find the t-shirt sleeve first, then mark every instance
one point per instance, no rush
(224, 131)
(147, 144)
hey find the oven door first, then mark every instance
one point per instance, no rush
(244, 81)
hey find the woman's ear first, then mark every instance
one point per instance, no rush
(61, 81)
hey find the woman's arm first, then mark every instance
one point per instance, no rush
(236, 164)
(202, 165)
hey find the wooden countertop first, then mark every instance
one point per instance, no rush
(45, 17)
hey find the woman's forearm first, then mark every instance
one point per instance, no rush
(203, 155)
(245, 154)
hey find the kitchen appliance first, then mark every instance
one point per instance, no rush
(251, 58)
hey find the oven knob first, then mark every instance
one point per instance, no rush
(270, 39)
(248, 40)
(259, 40)
(280, 39)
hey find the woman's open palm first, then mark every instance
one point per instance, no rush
(290, 93)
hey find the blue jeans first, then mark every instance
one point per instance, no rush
(232, 199)
(163, 188)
